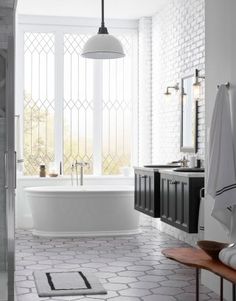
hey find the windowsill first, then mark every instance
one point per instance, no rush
(22, 177)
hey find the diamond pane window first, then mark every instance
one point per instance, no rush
(78, 103)
(76, 109)
(39, 83)
(117, 110)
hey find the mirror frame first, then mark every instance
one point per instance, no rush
(193, 149)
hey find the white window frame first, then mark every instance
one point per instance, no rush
(60, 26)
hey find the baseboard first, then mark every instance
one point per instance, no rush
(85, 234)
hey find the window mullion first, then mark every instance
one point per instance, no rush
(97, 117)
(59, 96)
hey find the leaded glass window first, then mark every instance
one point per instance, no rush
(78, 103)
(117, 110)
(39, 102)
(76, 108)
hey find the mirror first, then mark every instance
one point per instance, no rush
(188, 131)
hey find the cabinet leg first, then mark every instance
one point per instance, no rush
(221, 289)
(197, 284)
(233, 292)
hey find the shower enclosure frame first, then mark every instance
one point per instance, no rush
(10, 167)
(8, 183)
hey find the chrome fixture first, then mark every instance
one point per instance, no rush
(74, 167)
(197, 84)
(175, 87)
(72, 174)
(184, 162)
(103, 45)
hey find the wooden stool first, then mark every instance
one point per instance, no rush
(198, 259)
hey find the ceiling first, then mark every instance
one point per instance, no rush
(114, 9)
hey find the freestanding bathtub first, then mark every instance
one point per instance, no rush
(63, 211)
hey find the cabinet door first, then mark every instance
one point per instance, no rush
(175, 201)
(165, 196)
(145, 192)
(149, 194)
(182, 203)
(140, 191)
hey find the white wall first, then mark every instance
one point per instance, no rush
(171, 45)
(220, 68)
(178, 48)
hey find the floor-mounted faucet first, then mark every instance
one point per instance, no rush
(74, 166)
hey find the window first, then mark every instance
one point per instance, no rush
(78, 104)
(39, 100)
(75, 108)
(117, 111)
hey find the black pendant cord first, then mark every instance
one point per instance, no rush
(103, 23)
(102, 29)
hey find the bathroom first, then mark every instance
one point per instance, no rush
(93, 125)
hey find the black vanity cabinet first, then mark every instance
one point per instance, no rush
(180, 199)
(147, 192)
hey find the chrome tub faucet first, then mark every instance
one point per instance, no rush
(81, 166)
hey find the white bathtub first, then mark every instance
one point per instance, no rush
(61, 211)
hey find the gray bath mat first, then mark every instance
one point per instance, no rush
(67, 283)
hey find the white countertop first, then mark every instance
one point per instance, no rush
(182, 174)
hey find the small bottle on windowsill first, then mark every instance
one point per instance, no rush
(42, 172)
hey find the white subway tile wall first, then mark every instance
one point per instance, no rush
(171, 45)
(178, 48)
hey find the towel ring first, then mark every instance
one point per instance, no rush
(227, 85)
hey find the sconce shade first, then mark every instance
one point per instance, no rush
(197, 84)
(103, 46)
(196, 90)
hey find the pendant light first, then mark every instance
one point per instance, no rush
(103, 45)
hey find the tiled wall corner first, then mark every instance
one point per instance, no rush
(178, 48)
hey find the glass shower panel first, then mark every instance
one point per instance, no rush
(7, 173)
(3, 221)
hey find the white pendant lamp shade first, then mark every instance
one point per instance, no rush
(103, 46)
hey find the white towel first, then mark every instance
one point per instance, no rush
(228, 256)
(222, 176)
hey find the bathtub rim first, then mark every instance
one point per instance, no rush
(53, 192)
(77, 189)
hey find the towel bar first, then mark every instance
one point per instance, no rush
(226, 84)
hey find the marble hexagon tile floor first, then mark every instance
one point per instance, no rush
(131, 268)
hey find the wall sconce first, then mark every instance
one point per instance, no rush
(197, 84)
(175, 87)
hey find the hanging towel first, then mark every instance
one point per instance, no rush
(221, 175)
